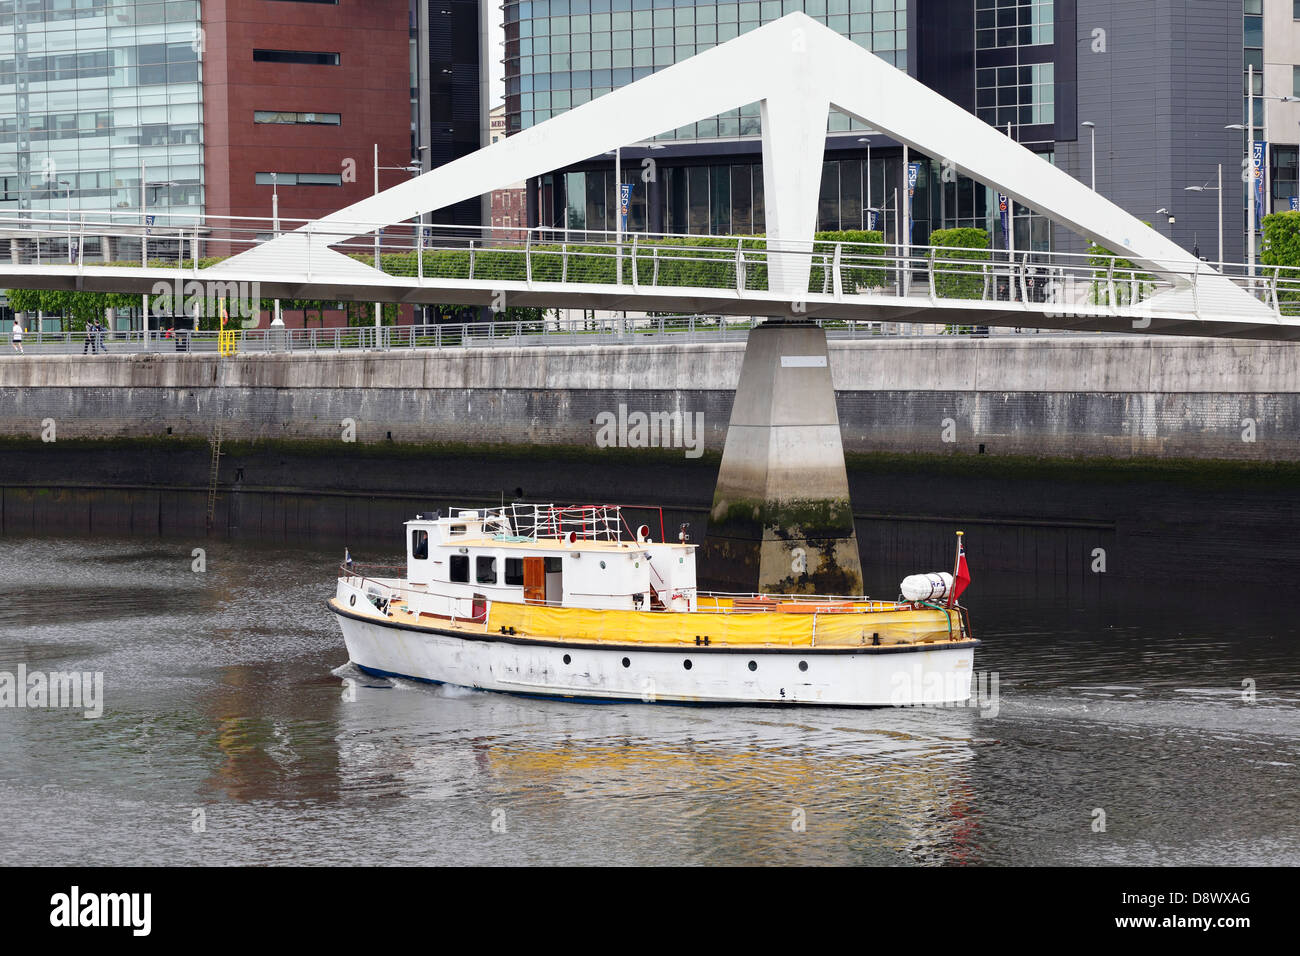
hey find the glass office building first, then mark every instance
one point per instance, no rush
(562, 53)
(91, 91)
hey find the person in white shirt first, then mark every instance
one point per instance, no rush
(17, 336)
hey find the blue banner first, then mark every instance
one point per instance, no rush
(871, 219)
(913, 175)
(1258, 150)
(1295, 203)
(1002, 214)
(624, 200)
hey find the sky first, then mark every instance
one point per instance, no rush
(498, 38)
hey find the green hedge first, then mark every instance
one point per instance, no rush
(686, 261)
(963, 279)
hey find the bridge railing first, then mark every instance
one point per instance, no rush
(742, 266)
(649, 330)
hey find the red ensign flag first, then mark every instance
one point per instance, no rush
(962, 578)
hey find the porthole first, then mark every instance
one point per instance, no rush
(753, 665)
(602, 564)
(352, 600)
(568, 659)
(803, 665)
(687, 663)
(626, 662)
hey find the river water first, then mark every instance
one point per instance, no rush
(1131, 728)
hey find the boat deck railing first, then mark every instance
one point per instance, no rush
(755, 602)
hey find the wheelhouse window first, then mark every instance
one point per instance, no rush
(485, 570)
(420, 544)
(458, 568)
(515, 572)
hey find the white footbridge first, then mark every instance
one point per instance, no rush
(797, 70)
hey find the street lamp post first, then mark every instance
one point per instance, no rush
(1249, 129)
(276, 321)
(1219, 191)
(67, 195)
(1092, 130)
(144, 243)
(618, 202)
(414, 170)
(867, 140)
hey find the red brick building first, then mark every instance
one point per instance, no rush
(303, 89)
(509, 204)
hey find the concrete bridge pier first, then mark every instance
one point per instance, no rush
(781, 521)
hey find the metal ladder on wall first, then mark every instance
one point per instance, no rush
(214, 441)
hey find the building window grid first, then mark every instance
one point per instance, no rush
(638, 42)
(1021, 95)
(98, 76)
(1001, 24)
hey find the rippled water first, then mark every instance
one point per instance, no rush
(223, 694)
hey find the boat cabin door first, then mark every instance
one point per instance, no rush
(534, 580)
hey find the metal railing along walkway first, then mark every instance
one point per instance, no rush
(548, 268)
(658, 330)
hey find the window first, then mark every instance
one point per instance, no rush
(515, 572)
(458, 569)
(298, 119)
(299, 179)
(296, 56)
(419, 544)
(1295, 77)
(485, 570)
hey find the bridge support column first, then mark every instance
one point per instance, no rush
(781, 521)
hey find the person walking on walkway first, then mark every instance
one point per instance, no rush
(88, 343)
(16, 336)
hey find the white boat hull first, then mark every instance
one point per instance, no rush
(856, 677)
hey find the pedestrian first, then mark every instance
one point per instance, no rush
(16, 336)
(88, 342)
(100, 329)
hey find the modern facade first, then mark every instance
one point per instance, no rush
(1158, 81)
(453, 115)
(159, 113)
(92, 92)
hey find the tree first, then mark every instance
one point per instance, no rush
(1281, 248)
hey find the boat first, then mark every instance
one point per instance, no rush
(571, 602)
